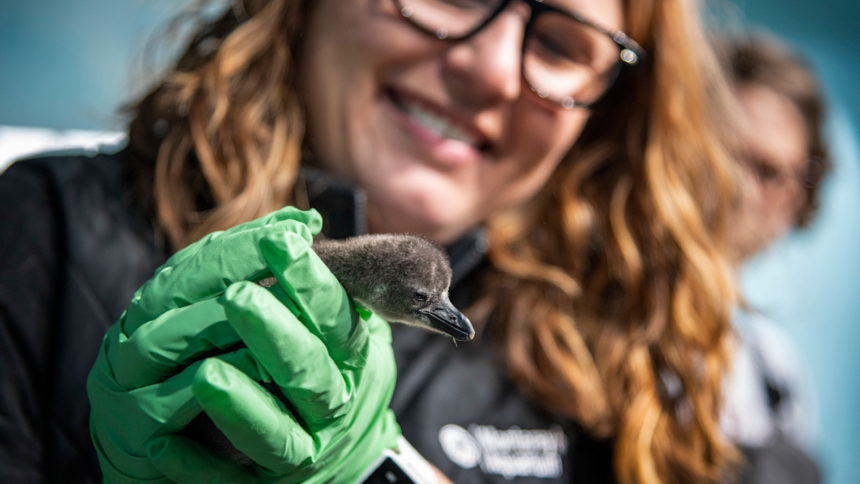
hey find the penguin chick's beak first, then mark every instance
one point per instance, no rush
(450, 321)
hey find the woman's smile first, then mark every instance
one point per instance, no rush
(447, 139)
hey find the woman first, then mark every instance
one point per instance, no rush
(604, 277)
(769, 406)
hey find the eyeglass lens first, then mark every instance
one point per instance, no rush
(565, 60)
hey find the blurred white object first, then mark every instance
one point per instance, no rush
(765, 361)
(17, 143)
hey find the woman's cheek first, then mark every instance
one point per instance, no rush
(539, 144)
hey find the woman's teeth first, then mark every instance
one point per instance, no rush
(438, 124)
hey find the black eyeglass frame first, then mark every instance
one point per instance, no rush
(630, 53)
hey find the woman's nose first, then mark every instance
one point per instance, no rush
(485, 69)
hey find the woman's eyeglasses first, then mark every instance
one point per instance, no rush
(566, 58)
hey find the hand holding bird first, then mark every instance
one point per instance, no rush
(336, 369)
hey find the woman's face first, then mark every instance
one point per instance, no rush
(439, 134)
(775, 147)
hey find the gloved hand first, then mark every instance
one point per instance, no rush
(336, 369)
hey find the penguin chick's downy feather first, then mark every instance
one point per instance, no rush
(401, 278)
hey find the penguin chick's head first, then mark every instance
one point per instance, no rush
(410, 277)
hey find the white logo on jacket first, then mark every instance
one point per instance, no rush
(509, 453)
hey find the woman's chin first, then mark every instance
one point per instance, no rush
(441, 216)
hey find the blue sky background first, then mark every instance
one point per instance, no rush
(66, 64)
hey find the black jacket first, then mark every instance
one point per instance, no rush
(75, 246)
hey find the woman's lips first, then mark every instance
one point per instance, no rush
(449, 142)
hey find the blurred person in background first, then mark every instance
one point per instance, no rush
(568, 154)
(784, 158)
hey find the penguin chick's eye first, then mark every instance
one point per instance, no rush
(420, 297)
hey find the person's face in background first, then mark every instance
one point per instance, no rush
(774, 143)
(439, 134)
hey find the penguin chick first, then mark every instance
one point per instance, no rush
(401, 278)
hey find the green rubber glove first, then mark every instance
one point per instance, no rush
(336, 369)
